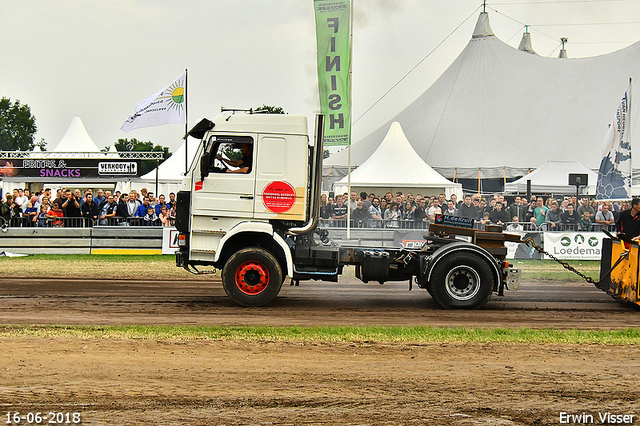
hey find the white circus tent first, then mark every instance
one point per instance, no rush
(395, 166)
(501, 111)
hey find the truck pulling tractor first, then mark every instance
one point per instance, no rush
(258, 224)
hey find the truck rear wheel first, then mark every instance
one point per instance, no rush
(461, 281)
(252, 277)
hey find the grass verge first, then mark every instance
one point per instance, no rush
(367, 334)
(550, 270)
(122, 267)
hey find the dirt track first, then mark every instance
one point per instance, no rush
(538, 305)
(175, 382)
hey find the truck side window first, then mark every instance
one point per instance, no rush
(232, 157)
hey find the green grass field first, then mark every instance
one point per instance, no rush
(363, 334)
(550, 270)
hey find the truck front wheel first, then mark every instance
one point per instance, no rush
(252, 277)
(461, 281)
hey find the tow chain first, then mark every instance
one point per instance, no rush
(568, 267)
(565, 265)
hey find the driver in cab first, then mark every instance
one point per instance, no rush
(244, 163)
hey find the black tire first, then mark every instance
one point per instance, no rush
(429, 288)
(252, 277)
(461, 281)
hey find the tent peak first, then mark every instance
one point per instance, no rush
(483, 28)
(76, 139)
(525, 43)
(563, 51)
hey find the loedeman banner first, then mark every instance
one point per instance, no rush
(334, 65)
(168, 106)
(574, 245)
(614, 175)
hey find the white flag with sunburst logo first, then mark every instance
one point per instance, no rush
(168, 106)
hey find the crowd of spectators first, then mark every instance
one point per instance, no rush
(73, 209)
(521, 214)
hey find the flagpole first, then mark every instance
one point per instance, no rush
(630, 146)
(186, 123)
(350, 120)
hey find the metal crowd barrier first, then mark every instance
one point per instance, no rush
(79, 222)
(375, 224)
(75, 222)
(562, 227)
(410, 224)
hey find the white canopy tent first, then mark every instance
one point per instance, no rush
(553, 178)
(76, 139)
(395, 166)
(500, 111)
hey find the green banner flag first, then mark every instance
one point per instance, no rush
(334, 64)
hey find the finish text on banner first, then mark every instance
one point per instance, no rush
(334, 60)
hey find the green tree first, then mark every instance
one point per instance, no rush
(17, 126)
(270, 109)
(42, 144)
(134, 145)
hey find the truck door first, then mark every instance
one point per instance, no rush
(281, 177)
(229, 189)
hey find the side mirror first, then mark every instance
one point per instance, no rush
(205, 160)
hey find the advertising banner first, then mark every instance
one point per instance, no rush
(563, 245)
(334, 63)
(75, 168)
(574, 245)
(411, 239)
(522, 250)
(614, 175)
(169, 240)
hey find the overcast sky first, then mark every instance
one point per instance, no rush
(97, 59)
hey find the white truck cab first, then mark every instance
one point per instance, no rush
(249, 186)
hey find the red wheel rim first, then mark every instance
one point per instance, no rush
(252, 277)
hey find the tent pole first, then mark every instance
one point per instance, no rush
(157, 178)
(186, 125)
(350, 119)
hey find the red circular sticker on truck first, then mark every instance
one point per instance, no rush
(279, 196)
